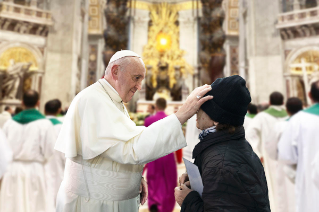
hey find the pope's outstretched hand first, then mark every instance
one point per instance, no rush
(193, 103)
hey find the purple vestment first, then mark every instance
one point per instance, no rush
(161, 176)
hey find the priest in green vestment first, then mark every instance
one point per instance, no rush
(26, 186)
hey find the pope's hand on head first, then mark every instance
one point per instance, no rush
(181, 193)
(193, 102)
(143, 191)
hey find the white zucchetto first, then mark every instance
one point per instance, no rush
(123, 53)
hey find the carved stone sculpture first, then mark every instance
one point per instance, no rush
(12, 87)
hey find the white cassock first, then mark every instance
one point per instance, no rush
(25, 186)
(247, 122)
(57, 162)
(106, 152)
(5, 153)
(192, 139)
(4, 116)
(257, 133)
(315, 170)
(299, 145)
(285, 195)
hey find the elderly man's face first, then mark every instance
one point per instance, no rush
(130, 79)
(203, 121)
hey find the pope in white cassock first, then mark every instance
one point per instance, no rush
(299, 145)
(105, 150)
(285, 173)
(26, 186)
(258, 132)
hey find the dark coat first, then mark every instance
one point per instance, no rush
(233, 176)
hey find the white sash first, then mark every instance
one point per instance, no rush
(100, 184)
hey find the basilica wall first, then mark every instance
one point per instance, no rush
(65, 55)
(300, 48)
(23, 41)
(264, 59)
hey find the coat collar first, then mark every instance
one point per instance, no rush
(217, 137)
(110, 90)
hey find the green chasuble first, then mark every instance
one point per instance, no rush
(250, 115)
(27, 116)
(276, 113)
(314, 109)
(55, 121)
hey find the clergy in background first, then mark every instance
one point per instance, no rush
(257, 133)
(5, 154)
(5, 115)
(285, 174)
(251, 113)
(161, 173)
(25, 186)
(104, 148)
(56, 165)
(299, 145)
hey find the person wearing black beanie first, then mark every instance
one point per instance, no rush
(232, 174)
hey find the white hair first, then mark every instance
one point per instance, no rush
(123, 62)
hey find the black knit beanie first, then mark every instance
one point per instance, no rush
(231, 98)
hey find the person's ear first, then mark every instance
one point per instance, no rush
(310, 96)
(115, 71)
(38, 104)
(215, 123)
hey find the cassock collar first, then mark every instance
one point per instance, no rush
(111, 91)
(50, 117)
(277, 107)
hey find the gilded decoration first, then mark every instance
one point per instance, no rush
(162, 52)
(309, 60)
(188, 5)
(18, 55)
(96, 13)
(232, 17)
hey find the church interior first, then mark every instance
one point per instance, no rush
(60, 47)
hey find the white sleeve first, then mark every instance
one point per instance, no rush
(253, 135)
(315, 170)
(288, 144)
(159, 139)
(271, 142)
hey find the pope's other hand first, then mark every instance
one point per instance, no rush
(193, 103)
(143, 191)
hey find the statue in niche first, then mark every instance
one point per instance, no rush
(162, 77)
(176, 91)
(12, 87)
(150, 90)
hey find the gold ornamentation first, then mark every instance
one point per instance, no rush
(142, 5)
(311, 62)
(19, 55)
(96, 15)
(164, 17)
(232, 17)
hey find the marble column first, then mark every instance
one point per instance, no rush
(63, 53)
(138, 36)
(296, 5)
(188, 40)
